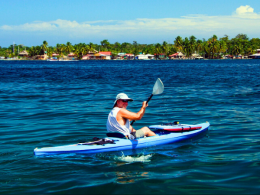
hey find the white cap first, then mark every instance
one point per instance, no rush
(122, 96)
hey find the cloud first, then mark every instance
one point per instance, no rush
(244, 20)
(246, 12)
(244, 9)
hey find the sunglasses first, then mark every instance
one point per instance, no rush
(124, 100)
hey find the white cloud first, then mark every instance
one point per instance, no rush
(244, 20)
(244, 9)
(246, 12)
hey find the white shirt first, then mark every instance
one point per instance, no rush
(114, 126)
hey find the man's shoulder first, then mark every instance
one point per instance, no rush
(123, 110)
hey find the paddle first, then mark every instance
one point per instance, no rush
(157, 89)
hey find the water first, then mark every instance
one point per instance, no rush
(59, 103)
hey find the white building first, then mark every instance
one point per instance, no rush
(144, 57)
(256, 55)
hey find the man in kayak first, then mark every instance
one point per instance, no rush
(119, 119)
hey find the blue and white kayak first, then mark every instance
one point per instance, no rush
(163, 136)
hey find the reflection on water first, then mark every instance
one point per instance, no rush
(130, 176)
(121, 160)
(127, 177)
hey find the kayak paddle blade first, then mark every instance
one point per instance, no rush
(158, 87)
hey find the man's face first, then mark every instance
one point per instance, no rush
(122, 103)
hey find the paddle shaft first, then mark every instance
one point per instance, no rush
(146, 104)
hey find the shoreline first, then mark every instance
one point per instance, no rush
(118, 60)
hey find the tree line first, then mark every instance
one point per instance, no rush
(213, 48)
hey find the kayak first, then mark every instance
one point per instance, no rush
(111, 144)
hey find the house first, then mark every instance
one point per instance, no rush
(196, 56)
(55, 55)
(229, 57)
(72, 56)
(150, 56)
(41, 57)
(160, 56)
(93, 51)
(120, 56)
(144, 57)
(177, 55)
(129, 56)
(23, 53)
(105, 55)
(86, 57)
(141, 57)
(98, 56)
(256, 55)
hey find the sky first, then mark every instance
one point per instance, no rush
(30, 22)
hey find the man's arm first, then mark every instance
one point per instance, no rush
(131, 115)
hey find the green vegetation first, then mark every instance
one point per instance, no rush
(213, 48)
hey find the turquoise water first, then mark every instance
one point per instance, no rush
(59, 103)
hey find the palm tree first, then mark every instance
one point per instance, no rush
(81, 50)
(68, 48)
(236, 49)
(178, 43)
(33, 51)
(151, 49)
(91, 46)
(8, 51)
(222, 46)
(60, 49)
(248, 50)
(157, 50)
(192, 43)
(172, 49)
(187, 47)
(77, 51)
(213, 45)
(199, 46)
(85, 49)
(38, 50)
(135, 48)
(125, 47)
(44, 46)
(205, 48)
(49, 52)
(105, 44)
(117, 46)
(165, 48)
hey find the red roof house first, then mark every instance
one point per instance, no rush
(107, 53)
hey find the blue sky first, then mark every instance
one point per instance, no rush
(30, 22)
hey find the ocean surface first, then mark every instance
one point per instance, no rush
(58, 103)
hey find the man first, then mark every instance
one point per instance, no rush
(119, 119)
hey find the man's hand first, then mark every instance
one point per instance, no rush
(144, 105)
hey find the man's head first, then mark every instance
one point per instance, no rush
(122, 100)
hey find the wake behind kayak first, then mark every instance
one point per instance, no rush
(165, 134)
